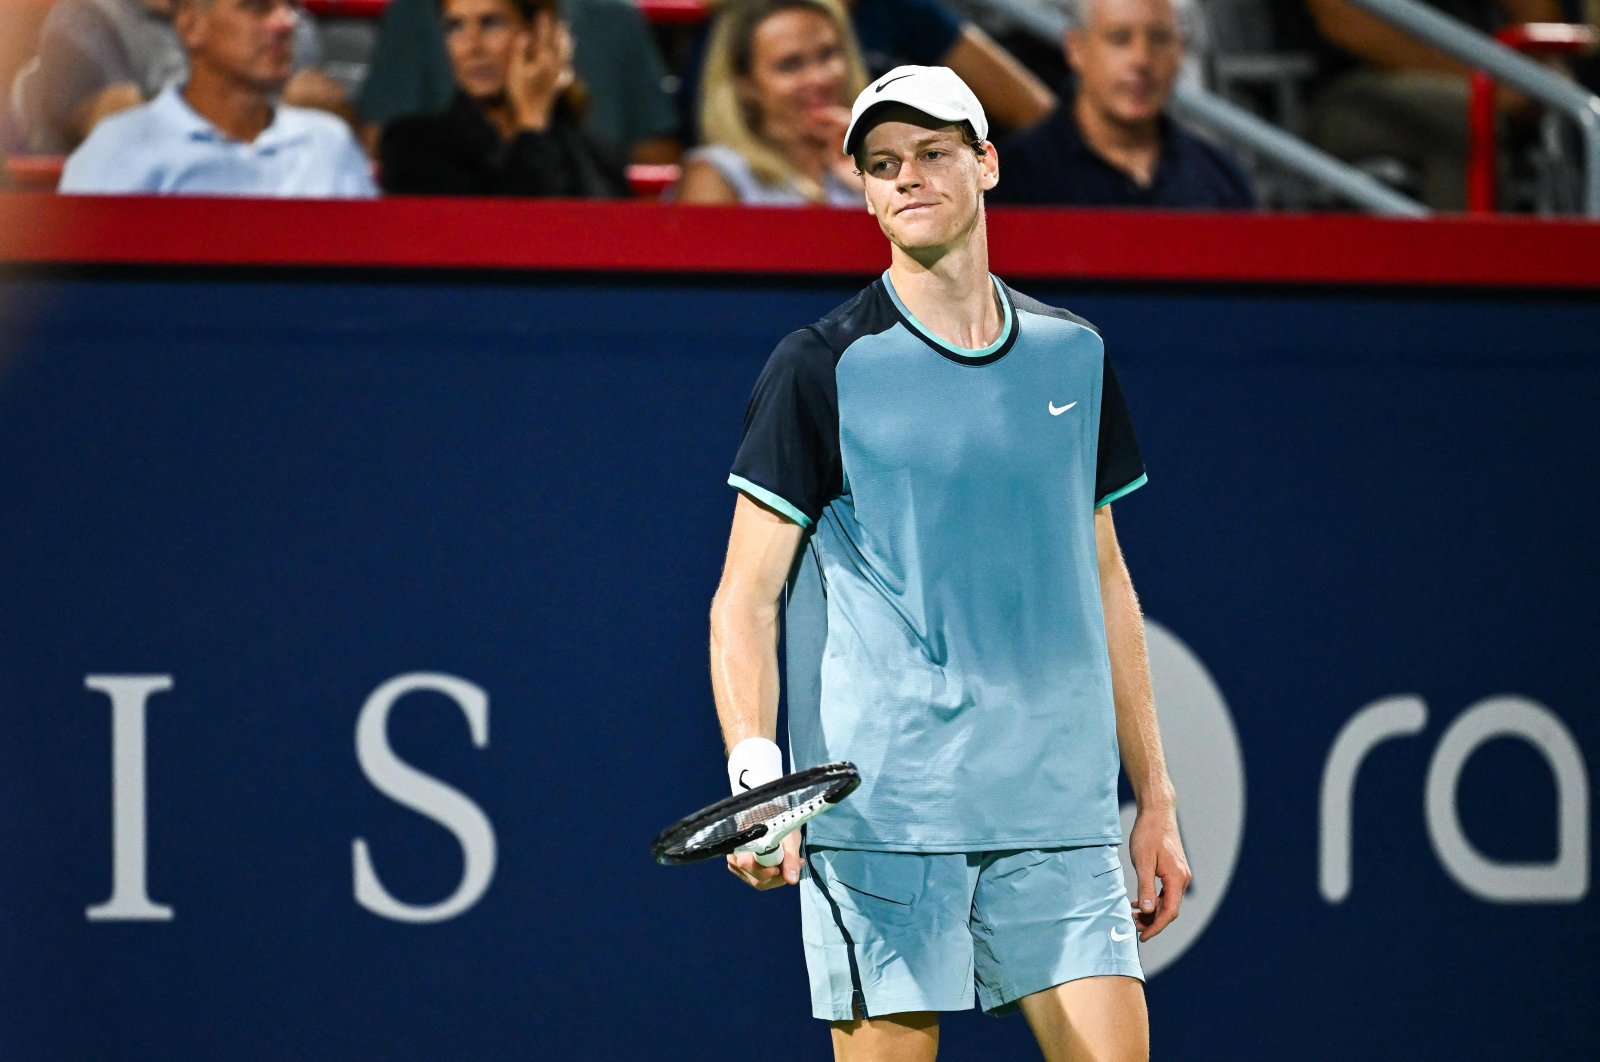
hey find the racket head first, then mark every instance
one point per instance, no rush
(745, 818)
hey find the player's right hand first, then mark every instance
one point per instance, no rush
(743, 865)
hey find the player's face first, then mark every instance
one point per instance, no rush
(1126, 57)
(479, 36)
(925, 185)
(250, 42)
(797, 76)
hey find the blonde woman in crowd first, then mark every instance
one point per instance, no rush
(774, 106)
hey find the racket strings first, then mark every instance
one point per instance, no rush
(757, 820)
(767, 813)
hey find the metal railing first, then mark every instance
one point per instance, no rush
(1484, 53)
(1238, 126)
(1529, 38)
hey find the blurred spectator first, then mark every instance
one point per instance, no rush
(20, 27)
(1110, 144)
(1386, 94)
(780, 75)
(626, 103)
(97, 57)
(220, 133)
(892, 33)
(1586, 68)
(926, 33)
(512, 126)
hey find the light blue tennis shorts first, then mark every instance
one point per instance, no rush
(890, 932)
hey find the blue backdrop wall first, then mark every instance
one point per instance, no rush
(283, 491)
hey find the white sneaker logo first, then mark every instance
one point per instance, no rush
(1056, 411)
(1121, 937)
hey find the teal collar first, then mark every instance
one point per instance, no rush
(983, 355)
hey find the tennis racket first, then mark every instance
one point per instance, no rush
(758, 820)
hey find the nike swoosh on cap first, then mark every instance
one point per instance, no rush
(880, 86)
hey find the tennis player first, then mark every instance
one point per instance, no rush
(929, 471)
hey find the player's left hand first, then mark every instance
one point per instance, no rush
(746, 869)
(1157, 854)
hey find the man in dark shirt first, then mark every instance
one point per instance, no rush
(1110, 144)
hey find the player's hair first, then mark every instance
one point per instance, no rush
(726, 117)
(969, 137)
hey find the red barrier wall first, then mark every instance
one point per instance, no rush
(549, 235)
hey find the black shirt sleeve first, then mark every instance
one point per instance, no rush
(417, 155)
(457, 153)
(565, 162)
(789, 457)
(1119, 467)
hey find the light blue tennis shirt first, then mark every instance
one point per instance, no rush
(165, 147)
(944, 625)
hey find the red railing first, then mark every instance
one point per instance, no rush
(586, 235)
(1532, 38)
(673, 11)
(35, 173)
(666, 12)
(346, 8)
(41, 173)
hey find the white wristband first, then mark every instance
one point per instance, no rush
(754, 762)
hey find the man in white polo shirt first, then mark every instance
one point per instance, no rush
(224, 131)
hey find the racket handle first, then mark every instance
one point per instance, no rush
(772, 858)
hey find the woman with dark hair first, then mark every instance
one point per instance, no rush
(513, 127)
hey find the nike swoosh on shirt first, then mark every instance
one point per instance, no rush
(1056, 411)
(1124, 936)
(880, 86)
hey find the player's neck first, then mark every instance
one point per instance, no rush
(952, 294)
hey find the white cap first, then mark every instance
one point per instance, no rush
(934, 90)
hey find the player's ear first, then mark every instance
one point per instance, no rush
(988, 167)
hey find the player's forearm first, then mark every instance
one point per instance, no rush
(1138, 733)
(744, 667)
